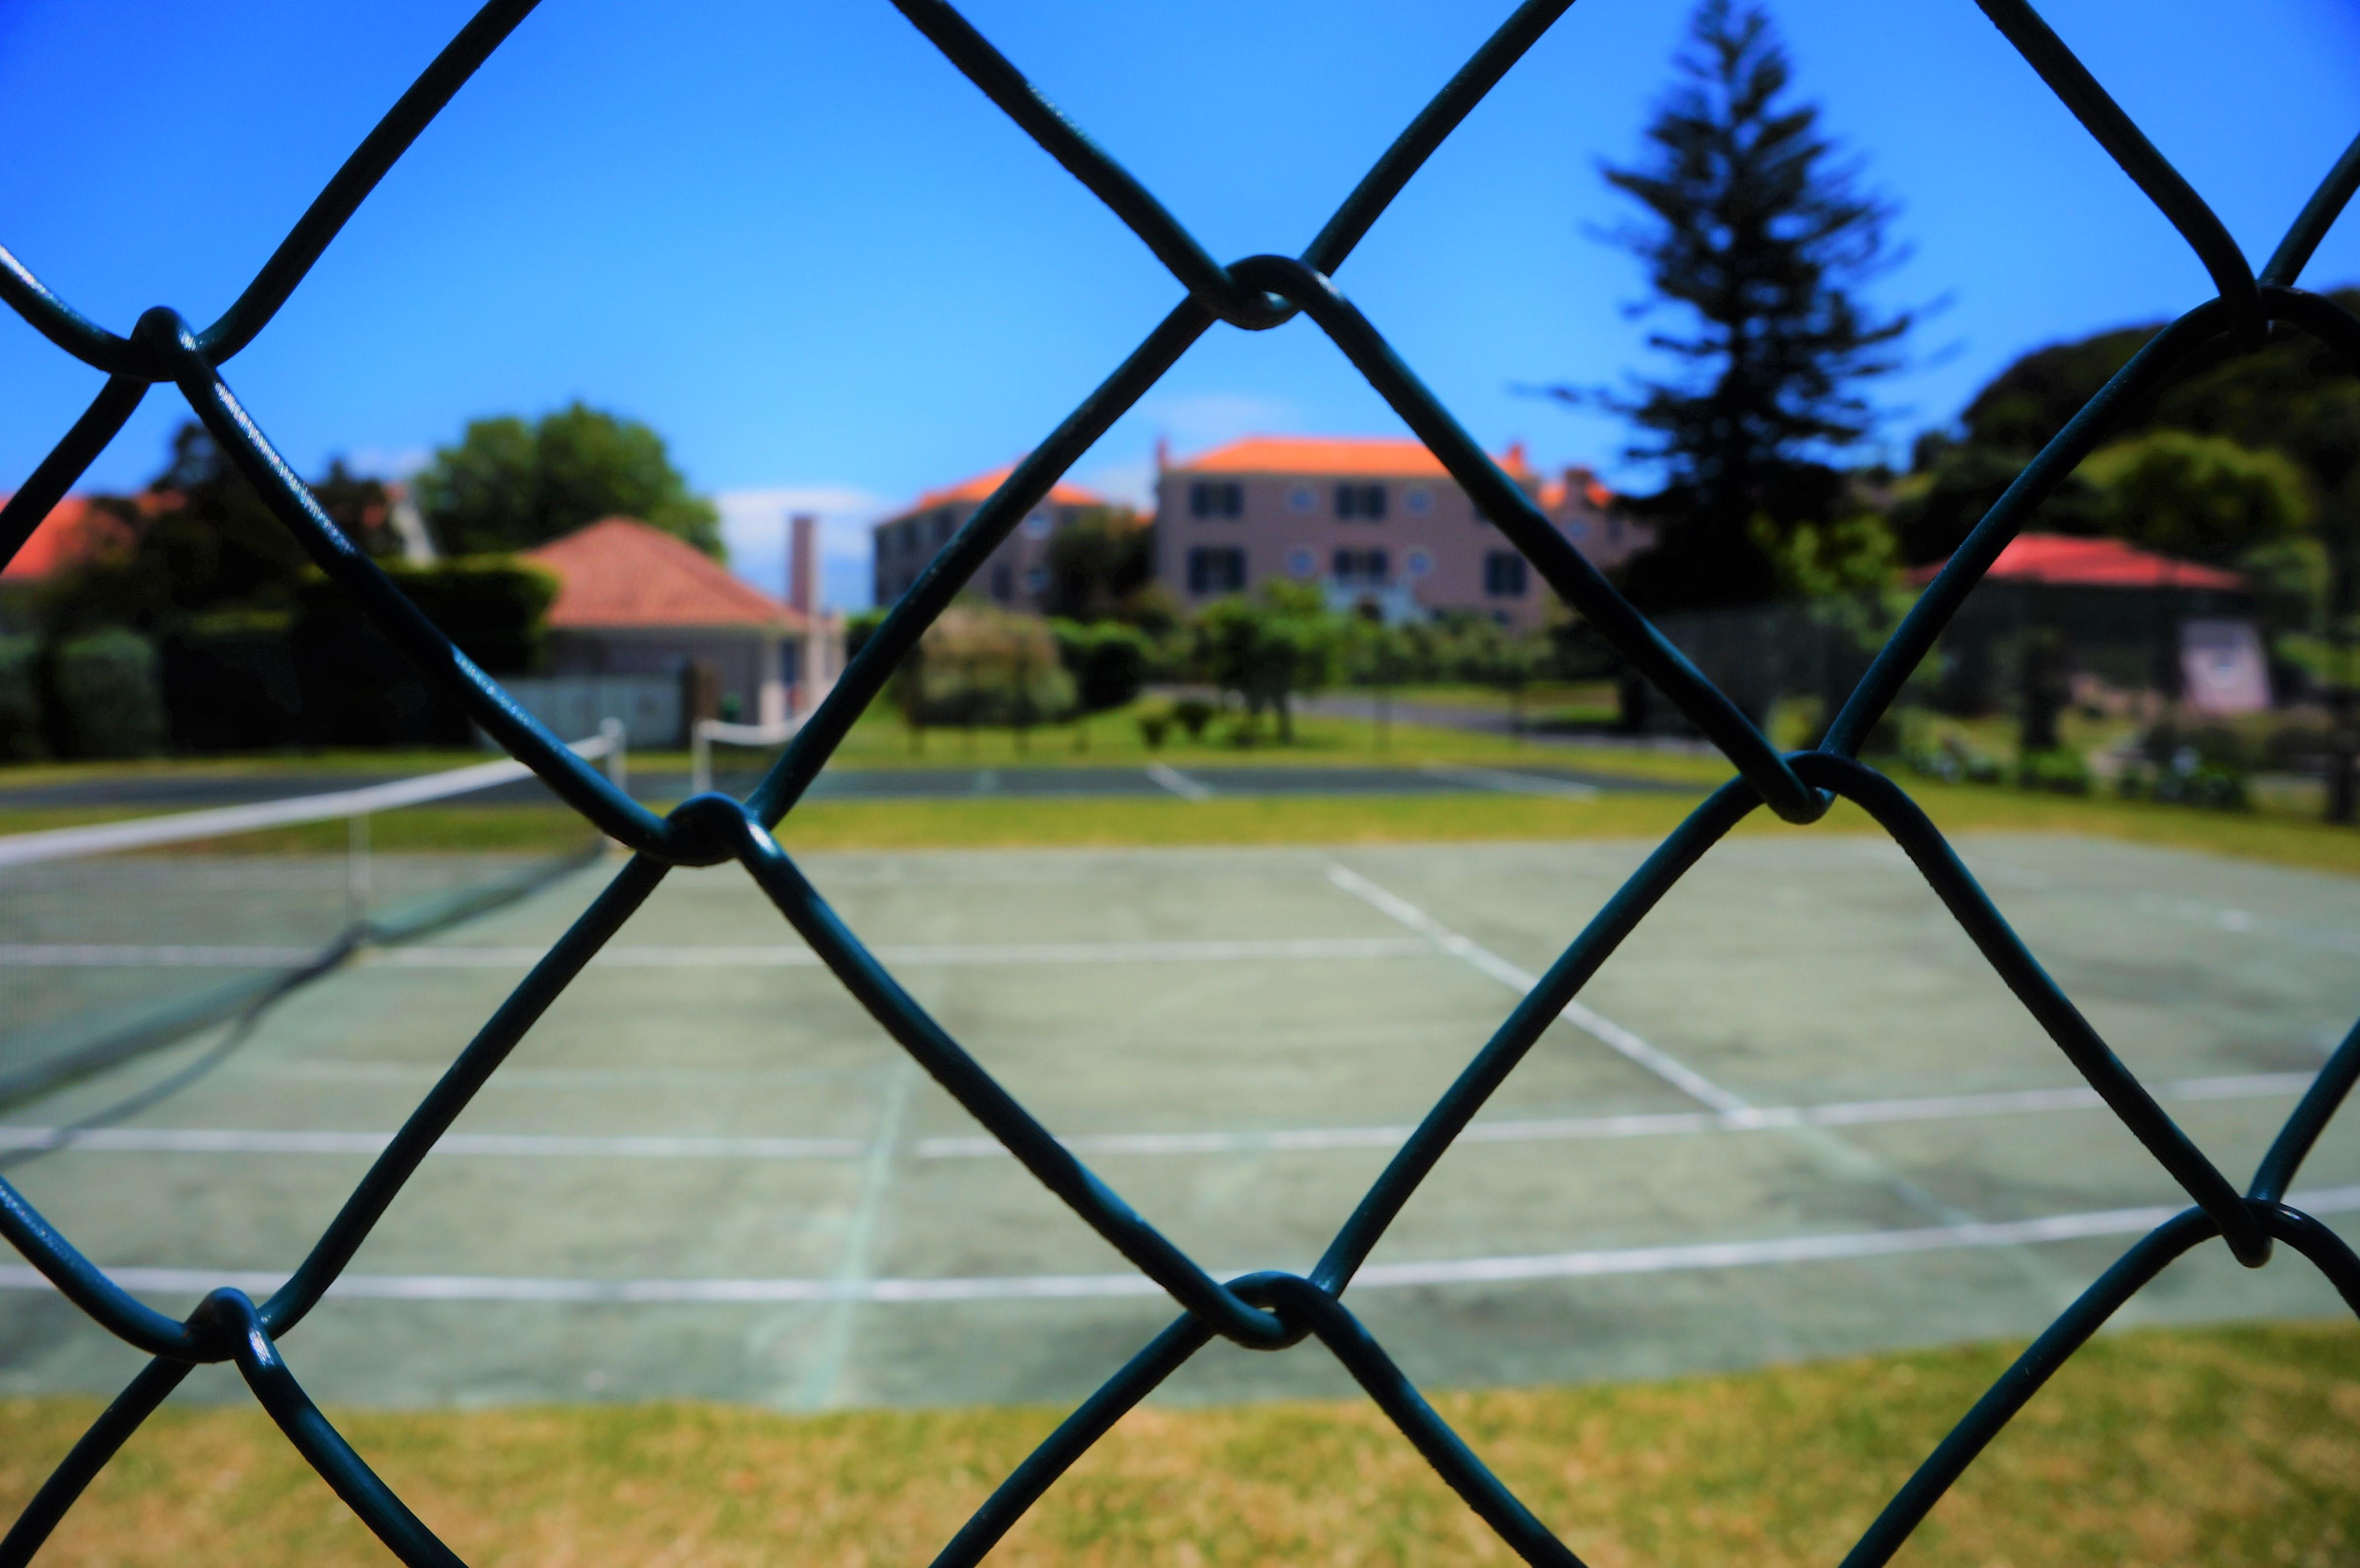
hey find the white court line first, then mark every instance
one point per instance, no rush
(1584, 1265)
(527, 1145)
(1179, 783)
(1642, 1124)
(1669, 1068)
(90, 956)
(1553, 1129)
(1509, 783)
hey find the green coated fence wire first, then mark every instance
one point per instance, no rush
(1269, 1311)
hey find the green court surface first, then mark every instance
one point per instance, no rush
(1796, 1116)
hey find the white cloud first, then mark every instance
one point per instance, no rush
(754, 526)
(388, 463)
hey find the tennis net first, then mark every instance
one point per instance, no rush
(121, 936)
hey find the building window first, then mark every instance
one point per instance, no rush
(946, 522)
(1420, 500)
(1419, 563)
(1301, 498)
(1003, 583)
(1216, 498)
(1503, 574)
(1037, 581)
(1036, 526)
(1366, 502)
(1301, 562)
(1361, 567)
(1216, 571)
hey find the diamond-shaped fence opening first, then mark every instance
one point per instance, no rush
(1268, 1311)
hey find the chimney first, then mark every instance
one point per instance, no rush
(802, 563)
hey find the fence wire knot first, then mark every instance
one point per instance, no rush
(1270, 1312)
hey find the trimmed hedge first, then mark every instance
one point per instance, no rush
(357, 689)
(230, 684)
(20, 698)
(110, 694)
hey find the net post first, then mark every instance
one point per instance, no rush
(356, 870)
(619, 766)
(700, 758)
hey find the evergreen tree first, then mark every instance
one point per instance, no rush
(1754, 227)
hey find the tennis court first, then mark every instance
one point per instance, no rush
(1796, 1116)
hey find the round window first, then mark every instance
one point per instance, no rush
(1420, 563)
(1037, 525)
(1301, 563)
(1421, 501)
(1301, 499)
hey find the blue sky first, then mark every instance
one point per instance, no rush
(800, 244)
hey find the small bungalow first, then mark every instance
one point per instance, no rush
(634, 601)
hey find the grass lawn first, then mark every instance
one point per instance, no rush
(2226, 1447)
(1113, 738)
(1011, 822)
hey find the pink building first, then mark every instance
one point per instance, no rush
(1017, 573)
(1376, 521)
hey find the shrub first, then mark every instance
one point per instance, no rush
(20, 698)
(1954, 762)
(358, 690)
(982, 665)
(110, 693)
(1153, 729)
(858, 629)
(1193, 713)
(230, 683)
(2190, 774)
(2059, 770)
(1106, 659)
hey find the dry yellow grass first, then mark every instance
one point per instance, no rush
(2226, 1447)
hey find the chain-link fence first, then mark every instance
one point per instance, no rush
(1275, 1311)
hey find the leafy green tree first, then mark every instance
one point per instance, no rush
(1102, 568)
(2292, 396)
(510, 486)
(2205, 497)
(1953, 483)
(1269, 651)
(1754, 228)
(202, 539)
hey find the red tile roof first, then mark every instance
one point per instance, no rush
(1390, 457)
(621, 572)
(74, 532)
(2067, 561)
(980, 487)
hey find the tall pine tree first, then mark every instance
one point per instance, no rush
(1754, 227)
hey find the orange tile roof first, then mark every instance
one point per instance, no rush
(621, 572)
(74, 532)
(1390, 457)
(980, 487)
